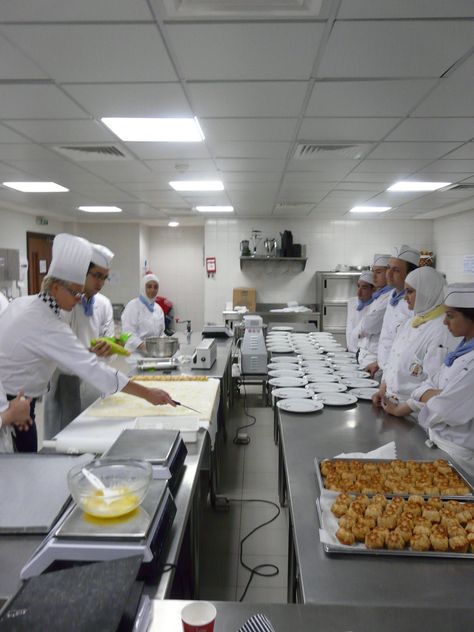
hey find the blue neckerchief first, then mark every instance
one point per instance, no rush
(149, 305)
(363, 304)
(383, 290)
(395, 298)
(88, 305)
(462, 348)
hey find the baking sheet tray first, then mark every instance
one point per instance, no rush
(453, 466)
(360, 549)
(33, 490)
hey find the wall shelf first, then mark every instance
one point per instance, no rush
(301, 260)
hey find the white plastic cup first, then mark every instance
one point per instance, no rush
(198, 616)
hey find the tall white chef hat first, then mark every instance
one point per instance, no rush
(460, 295)
(367, 277)
(381, 261)
(430, 287)
(71, 258)
(101, 256)
(405, 253)
(146, 279)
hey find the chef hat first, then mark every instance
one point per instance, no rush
(405, 253)
(367, 277)
(146, 279)
(101, 256)
(71, 258)
(430, 286)
(381, 261)
(460, 295)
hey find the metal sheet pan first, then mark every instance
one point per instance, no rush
(362, 550)
(453, 466)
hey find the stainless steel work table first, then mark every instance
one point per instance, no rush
(326, 618)
(357, 580)
(15, 550)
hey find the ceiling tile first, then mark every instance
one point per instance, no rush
(466, 152)
(397, 167)
(407, 150)
(452, 166)
(116, 171)
(434, 129)
(189, 166)
(234, 99)
(8, 136)
(230, 177)
(162, 198)
(243, 129)
(131, 99)
(351, 46)
(33, 101)
(169, 151)
(24, 151)
(345, 129)
(15, 65)
(54, 11)
(95, 52)
(374, 9)
(242, 51)
(289, 212)
(61, 132)
(243, 199)
(249, 149)
(256, 164)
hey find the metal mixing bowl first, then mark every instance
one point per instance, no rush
(161, 346)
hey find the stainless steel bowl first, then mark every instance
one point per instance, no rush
(161, 347)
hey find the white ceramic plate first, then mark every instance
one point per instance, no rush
(322, 364)
(280, 349)
(282, 328)
(282, 359)
(352, 374)
(320, 378)
(360, 383)
(336, 399)
(317, 370)
(291, 392)
(285, 373)
(345, 367)
(327, 387)
(287, 381)
(364, 393)
(299, 405)
(311, 356)
(291, 366)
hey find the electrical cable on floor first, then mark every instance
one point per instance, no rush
(256, 570)
(236, 439)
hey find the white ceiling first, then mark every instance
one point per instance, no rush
(262, 77)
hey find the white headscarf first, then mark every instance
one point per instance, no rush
(430, 287)
(146, 279)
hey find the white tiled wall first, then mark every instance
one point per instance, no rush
(328, 242)
(453, 239)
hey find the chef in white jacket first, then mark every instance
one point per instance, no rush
(369, 328)
(93, 317)
(446, 402)
(142, 316)
(356, 308)
(34, 340)
(421, 342)
(402, 261)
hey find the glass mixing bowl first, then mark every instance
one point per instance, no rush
(126, 482)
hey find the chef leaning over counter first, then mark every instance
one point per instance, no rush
(34, 340)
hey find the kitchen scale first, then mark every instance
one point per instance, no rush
(82, 538)
(163, 449)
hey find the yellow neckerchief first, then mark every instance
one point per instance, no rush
(431, 315)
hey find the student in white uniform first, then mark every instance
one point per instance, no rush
(357, 307)
(93, 317)
(3, 302)
(370, 325)
(34, 340)
(446, 402)
(421, 342)
(13, 414)
(402, 261)
(142, 317)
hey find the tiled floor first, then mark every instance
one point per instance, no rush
(248, 473)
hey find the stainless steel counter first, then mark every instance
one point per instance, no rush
(350, 580)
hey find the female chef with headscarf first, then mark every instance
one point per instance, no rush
(421, 342)
(34, 340)
(142, 316)
(446, 402)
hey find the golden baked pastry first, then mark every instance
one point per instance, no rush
(375, 539)
(420, 542)
(470, 540)
(439, 539)
(459, 544)
(345, 537)
(395, 541)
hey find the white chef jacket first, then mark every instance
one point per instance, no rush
(352, 321)
(34, 341)
(6, 443)
(451, 413)
(101, 323)
(369, 328)
(3, 302)
(141, 323)
(417, 354)
(393, 318)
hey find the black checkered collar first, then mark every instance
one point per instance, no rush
(50, 302)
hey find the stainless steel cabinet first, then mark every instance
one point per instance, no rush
(333, 290)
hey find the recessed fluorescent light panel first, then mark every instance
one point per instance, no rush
(36, 187)
(413, 185)
(197, 185)
(215, 209)
(156, 130)
(370, 209)
(100, 209)
(173, 224)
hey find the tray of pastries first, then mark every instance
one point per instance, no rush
(394, 477)
(413, 526)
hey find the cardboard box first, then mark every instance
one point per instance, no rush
(245, 296)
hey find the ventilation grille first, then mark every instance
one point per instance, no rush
(312, 151)
(92, 152)
(459, 187)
